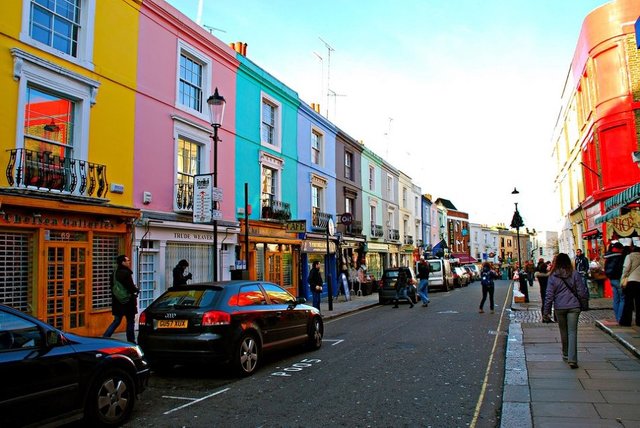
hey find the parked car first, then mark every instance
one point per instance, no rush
(387, 284)
(50, 377)
(230, 322)
(470, 273)
(440, 275)
(474, 269)
(460, 277)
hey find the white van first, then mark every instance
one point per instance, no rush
(440, 275)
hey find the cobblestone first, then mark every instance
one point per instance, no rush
(534, 315)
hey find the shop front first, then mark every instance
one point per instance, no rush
(161, 244)
(57, 257)
(274, 254)
(376, 253)
(407, 256)
(315, 249)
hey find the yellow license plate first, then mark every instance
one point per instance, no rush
(172, 323)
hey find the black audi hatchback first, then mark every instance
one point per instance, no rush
(231, 322)
(49, 377)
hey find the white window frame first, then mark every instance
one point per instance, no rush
(267, 160)
(390, 219)
(349, 204)
(187, 130)
(31, 70)
(207, 65)
(85, 40)
(404, 197)
(373, 213)
(348, 165)
(372, 178)
(277, 126)
(390, 186)
(320, 149)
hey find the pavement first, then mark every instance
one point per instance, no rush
(540, 390)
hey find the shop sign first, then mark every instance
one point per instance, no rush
(310, 246)
(296, 226)
(47, 220)
(270, 232)
(374, 246)
(626, 224)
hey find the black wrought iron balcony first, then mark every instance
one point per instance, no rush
(273, 209)
(394, 234)
(355, 228)
(408, 240)
(30, 169)
(319, 220)
(376, 230)
(184, 193)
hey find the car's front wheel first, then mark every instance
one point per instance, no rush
(111, 398)
(247, 354)
(316, 331)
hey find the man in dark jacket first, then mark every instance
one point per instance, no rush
(129, 308)
(613, 262)
(315, 283)
(582, 264)
(423, 276)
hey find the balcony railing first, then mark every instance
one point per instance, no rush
(408, 240)
(319, 220)
(275, 210)
(355, 228)
(184, 193)
(376, 230)
(46, 171)
(394, 234)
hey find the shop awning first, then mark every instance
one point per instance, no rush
(464, 258)
(592, 234)
(616, 212)
(631, 194)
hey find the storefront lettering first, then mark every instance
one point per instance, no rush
(41, 220)
(193, 236)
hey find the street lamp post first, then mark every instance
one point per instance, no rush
(216, 104)
(517, 223)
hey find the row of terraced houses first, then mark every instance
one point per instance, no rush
(106, 126)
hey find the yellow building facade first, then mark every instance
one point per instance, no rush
(68, 76)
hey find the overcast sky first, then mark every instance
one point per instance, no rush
(461, 95)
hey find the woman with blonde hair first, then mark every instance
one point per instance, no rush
(565, 291)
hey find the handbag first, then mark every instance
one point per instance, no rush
(119, 291)
(584, 302)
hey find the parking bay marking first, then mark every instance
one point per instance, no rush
(194, 400)
(337, 341)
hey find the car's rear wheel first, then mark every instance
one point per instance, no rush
(247, 354)
(111, 398)
(316, 330)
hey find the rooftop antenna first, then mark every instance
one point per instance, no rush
(321, 74)
(387, 134)
(329, 50)
(334, 95)
(212, 29)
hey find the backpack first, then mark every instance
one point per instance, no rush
(487, 278)
(119, 291)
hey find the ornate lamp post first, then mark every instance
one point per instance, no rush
(517, 223)
(216, 104)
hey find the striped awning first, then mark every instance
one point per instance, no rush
(616, 212)
(631, 194)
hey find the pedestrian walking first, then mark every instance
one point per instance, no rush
(582, 265)
(124, 303)
(542, 275)
(530, 270)
(179, 278)
(423, 286)
(402, 285)
(565, 291)
(630, 281)
(315, 284)
(343, 283)
(613, 263)
(522, 279)
(487, 277)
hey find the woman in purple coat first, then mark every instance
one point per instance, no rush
(565, 290)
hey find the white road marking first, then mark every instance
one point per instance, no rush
(173, 397)
(197, 401)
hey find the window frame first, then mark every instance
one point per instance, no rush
(319, 149)
(348, 165)
(85, 40)
(276, 144)
(31, 70)
(184, 49)
(372, 178)
(186, 130)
